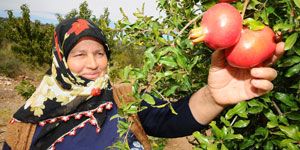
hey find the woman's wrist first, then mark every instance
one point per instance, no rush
(203, 106)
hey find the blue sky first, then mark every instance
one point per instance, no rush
(45, 10)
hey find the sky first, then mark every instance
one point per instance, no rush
(45, 10)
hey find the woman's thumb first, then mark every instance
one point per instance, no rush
(217, 60)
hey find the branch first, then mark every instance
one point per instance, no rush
(233, 121)
(187, 25)
(126, 135)
(277, 108)
(245, 7)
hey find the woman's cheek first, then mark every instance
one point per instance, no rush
(75, 66)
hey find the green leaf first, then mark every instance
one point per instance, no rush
(168, 61)
(255, 110)
(233, 136)
(148, 98)
(226, 122)
(271, 116)
(287, 142)
(297, 2)
(169, 49)
(255, 102)
(247, 143)
(172, 109)
(115, 116)
(126, 71)
(236, 110)
(292, 71)
(269, 145)
(182, 61)
(223, 147)
(260, 131)
(291, 131)
(290, 41)
(286, 99)
(272, 124)
(155, 28)
(273, 119)
(193, 63)
(132, 110)
(171, 90)
(265, 14)
(139, 74)
(297, 50)
(200, 137)
(151, 60)
(212, 146)
(290, 61)
(253, 24)
(283, 27)
(161, 106)
(216, 130)
(293, 116)
(283, 120)
(241, 123)
(255, 106)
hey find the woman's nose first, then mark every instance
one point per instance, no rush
(92, 62)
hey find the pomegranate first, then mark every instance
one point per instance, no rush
(220, 27)
(253, 48)
(226, 1)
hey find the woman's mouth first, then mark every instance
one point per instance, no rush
(91, 76)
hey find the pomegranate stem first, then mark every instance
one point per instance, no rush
(246, 2)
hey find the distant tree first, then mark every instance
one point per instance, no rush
(84, 12)
(30, 40)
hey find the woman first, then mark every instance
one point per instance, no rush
(71, 108)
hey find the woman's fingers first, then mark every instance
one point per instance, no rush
(262, 85)
(278, 53)
(266, 73)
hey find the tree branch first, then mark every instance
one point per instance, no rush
(277, 108)
(187, 25)
(245, 7)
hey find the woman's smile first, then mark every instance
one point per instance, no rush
(91, 76)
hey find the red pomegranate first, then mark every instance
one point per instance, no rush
(220, 27)
(253, 48)
(226, 1)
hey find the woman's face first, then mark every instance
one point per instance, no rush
(88, 59)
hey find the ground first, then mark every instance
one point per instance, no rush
(10, 101)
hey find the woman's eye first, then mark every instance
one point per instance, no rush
(78, 55)
(101, 54)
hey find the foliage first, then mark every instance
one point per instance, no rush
(3, 31)
(25, 89)
(31, 40)
(174, 68)
(84, 12)
(9, 64)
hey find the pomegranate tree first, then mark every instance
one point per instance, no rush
(220, 27)
(253, 48)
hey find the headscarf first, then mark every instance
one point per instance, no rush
(62, 95)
